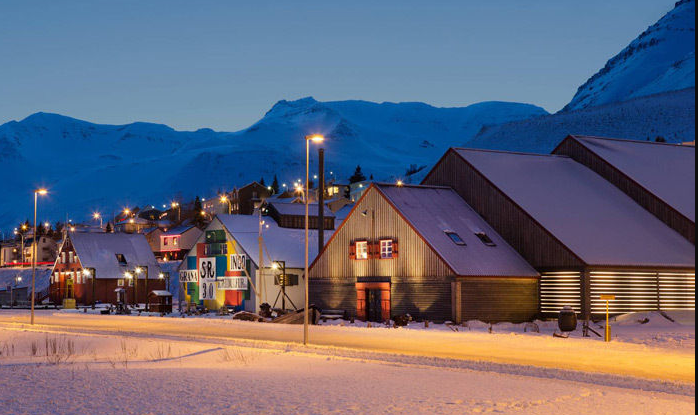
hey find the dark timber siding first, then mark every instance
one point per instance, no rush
(499, 299)
(422, 298)
(667, 214)
(523, 233)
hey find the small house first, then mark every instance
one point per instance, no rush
(421, 250)
(225, 268)
(90, 266)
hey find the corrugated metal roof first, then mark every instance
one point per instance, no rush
(589, 215)
(434, 211)
(666, 170)
(98, 251)
(283, 244)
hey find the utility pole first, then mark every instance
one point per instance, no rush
(260, 277)
(321, 200)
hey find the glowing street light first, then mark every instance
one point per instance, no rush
(226, 199)
(96, 216)
(177, 206)
(315, 138)
(37, 192)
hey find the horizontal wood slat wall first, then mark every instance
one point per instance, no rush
(642, 291)
(559, 289)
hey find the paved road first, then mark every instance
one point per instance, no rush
(585, 355)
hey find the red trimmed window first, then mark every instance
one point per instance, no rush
(362, 249)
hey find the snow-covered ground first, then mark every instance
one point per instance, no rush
(105, 374)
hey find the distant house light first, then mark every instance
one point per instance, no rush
(455, 238)
(485, 239)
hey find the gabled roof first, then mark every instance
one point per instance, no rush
(434, 210)
(282, 244)
(298, 209)
(587, 214)
(98, 251)
(177, 231)
(666, 170)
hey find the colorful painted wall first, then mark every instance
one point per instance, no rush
(219, 255)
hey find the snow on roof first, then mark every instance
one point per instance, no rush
(161, 293)
(666, 170)
(177, 231)
(343, 212)
(283, 244)
(8, 275)
(298, 209)
(433, 211)
(589, 215)
(99, 250)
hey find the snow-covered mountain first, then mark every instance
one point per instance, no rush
(661, 59)
(103, 167)
(671, 115)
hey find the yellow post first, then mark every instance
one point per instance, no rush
(607, 329)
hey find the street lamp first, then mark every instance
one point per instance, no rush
(37, 192)
(17, 279)
(129, 276)
(90, 273)
(96, 216)
(176, 205)
(315, 138)
(21, 251)
(225, 199)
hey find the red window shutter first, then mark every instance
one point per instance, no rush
(375, 249)
(395, 249)
(352, 250)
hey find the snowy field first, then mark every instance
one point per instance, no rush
(113, 374)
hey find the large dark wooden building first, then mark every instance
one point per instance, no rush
(421, 250)
(107, 257)
(584, 235)
(660, 177)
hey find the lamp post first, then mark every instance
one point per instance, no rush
(226, 199)
(166, 277)
(21, 251)
(37, 192)
(130, 276)
(90, 273)
(17, 279)
(282, 282)
(139, 270)
(96, 216)
(176, 205)
(316, 138)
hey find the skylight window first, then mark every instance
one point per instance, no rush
(485, 239)
(455, 238)
(122, 259)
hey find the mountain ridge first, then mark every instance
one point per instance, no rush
(639, 68)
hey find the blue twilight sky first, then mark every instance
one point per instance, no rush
(223, 64)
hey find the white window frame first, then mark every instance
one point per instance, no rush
(386, 248)
(71, 257)
(120, 282)
(361, 250)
